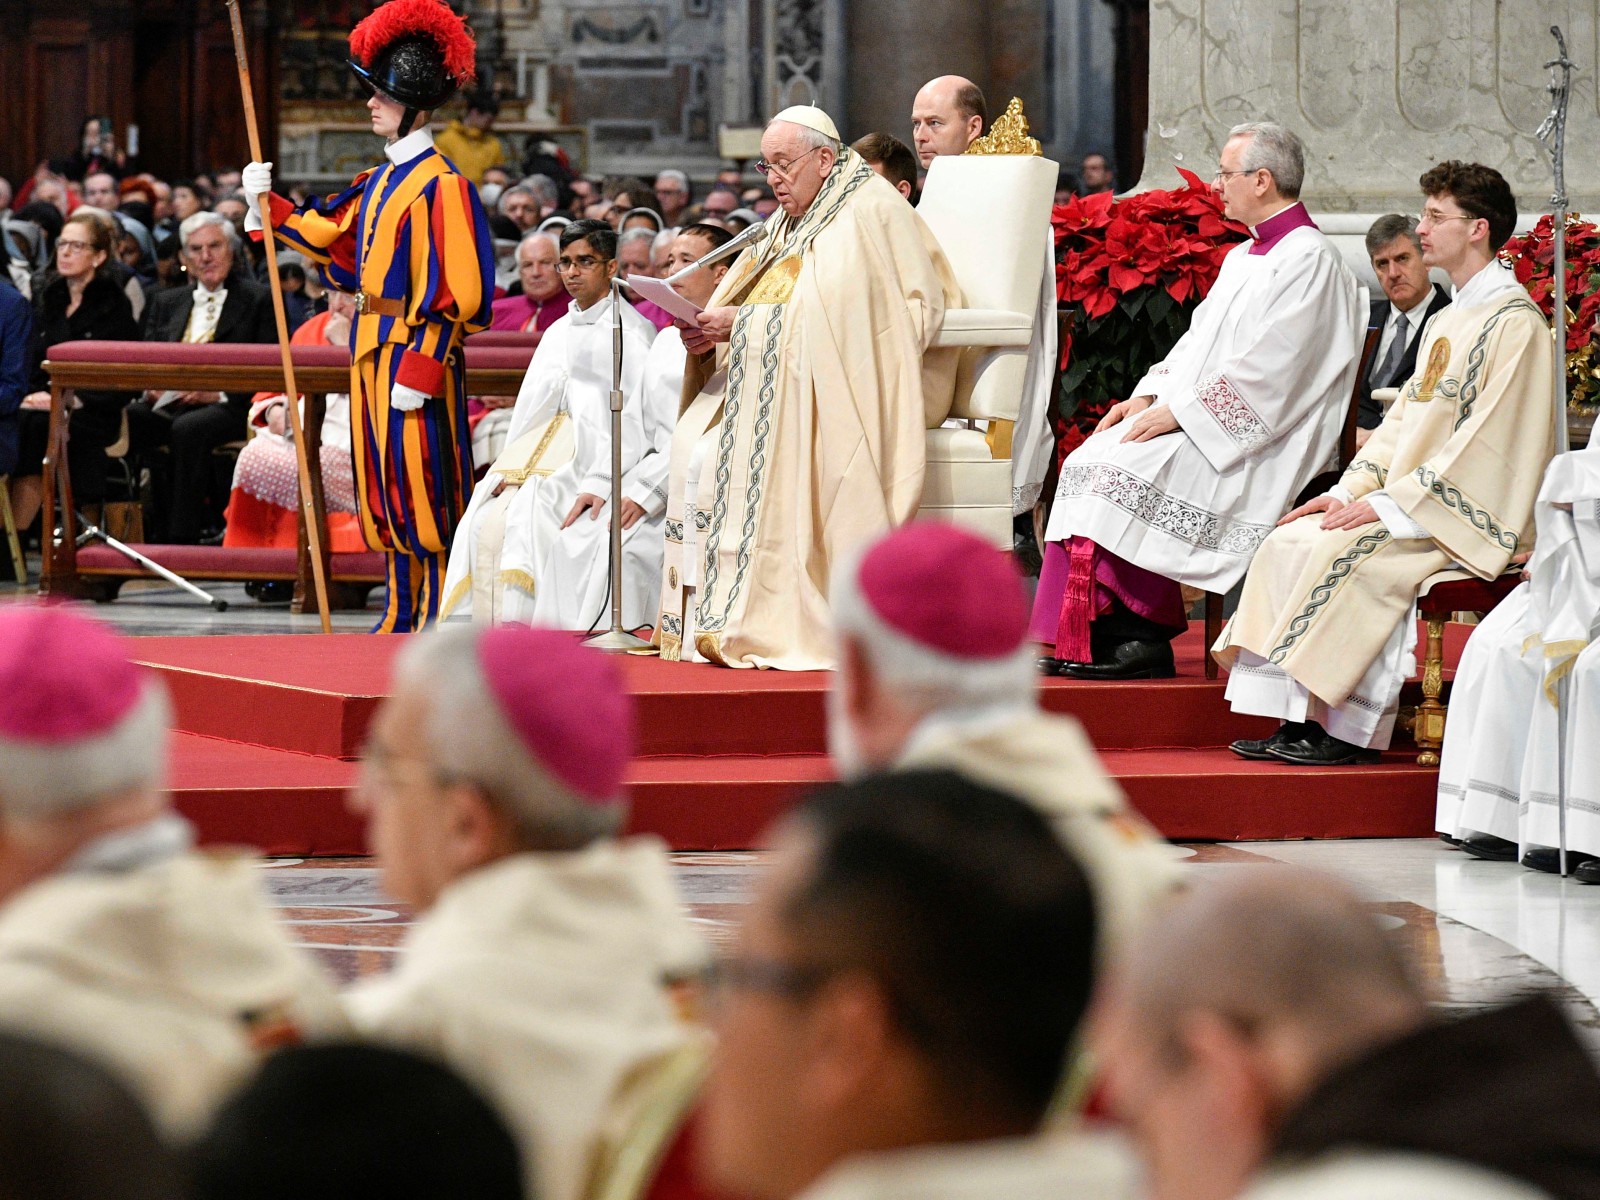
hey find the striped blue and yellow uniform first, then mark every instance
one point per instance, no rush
(413, 238)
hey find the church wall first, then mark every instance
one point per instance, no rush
(1379, 89)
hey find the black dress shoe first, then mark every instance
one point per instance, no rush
(1052, 666)
(1318, 748)
(271, 591)
(1587, 871)
(1488, 847)
(1259, 748)
(1129, 660)
(1453, 842)
(1548, 859)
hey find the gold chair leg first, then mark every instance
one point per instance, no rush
(18, 561)
(1429, 728)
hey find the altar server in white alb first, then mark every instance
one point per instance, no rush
(1498, 770)
(1326, 627)
(542, 963)
(118, 940)
(535, 544)
(1182, 483)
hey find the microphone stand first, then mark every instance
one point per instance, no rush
(617, 638)
(1554, 133)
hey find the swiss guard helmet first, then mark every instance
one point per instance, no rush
(417, 52)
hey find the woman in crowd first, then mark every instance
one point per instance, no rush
(264, 505)
(80, 299)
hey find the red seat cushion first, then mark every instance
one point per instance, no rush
(503, 357)
(504, 337)
(1466, 595)
(210, 562)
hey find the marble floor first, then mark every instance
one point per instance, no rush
(156, 609)
(1482, 932)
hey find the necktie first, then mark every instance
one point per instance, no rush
(1384, 375)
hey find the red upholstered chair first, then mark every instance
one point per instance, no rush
(1443, 595)
(1347, 454)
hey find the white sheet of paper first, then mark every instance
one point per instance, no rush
(660, 293)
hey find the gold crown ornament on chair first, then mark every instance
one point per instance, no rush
(1008, 135)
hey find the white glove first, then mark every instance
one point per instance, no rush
(255, 180)
(406, 399)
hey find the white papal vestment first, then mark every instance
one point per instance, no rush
(511, 560)
(1259, 385)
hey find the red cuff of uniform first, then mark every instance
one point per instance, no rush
(279, 209)
(419, 371)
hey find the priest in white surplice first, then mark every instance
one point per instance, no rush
(534, 545)
(1182, 483)
(1326, 626)
(1497, 772)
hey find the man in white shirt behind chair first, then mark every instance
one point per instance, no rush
(1410, 300)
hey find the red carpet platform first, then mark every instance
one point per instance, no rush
(271, 727)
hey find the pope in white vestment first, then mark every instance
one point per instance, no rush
(1242, 414)
(517, 557)
(1497, 771)
(810, 386)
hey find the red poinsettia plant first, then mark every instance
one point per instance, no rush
(1130, 272)
(1532, 257)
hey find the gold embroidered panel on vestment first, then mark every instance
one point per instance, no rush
(777, 285)
(1438, 361)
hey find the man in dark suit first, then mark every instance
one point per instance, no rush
(222, 307)
(1396, 255)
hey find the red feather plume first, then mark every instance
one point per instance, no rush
(401, 18)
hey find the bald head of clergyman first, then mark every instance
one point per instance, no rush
(1231, 1007)
(947, 116)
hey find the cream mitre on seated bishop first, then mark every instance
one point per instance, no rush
(810, 117)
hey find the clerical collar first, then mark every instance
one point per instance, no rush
(1488, 284)
(1278, 226)
(588, 316)
(417, 142)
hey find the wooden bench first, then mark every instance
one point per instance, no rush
(98, 572)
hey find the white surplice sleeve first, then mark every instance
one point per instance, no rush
(646, 483)
(545, 383)
(1295, 335)
(593, 458)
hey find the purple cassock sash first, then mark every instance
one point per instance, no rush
(1078, 583)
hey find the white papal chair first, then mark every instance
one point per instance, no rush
(990, 211)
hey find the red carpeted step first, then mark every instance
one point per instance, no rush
(280, 802)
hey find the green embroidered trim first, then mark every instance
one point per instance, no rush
(1361, 464)
(1450, 496)
(1479, 351)
(1343, 566)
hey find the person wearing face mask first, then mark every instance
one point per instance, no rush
(411, 240)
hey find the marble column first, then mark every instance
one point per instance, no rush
(1379, 89)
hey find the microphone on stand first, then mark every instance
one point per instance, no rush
(752, 233)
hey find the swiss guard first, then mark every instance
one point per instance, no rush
(409, 239)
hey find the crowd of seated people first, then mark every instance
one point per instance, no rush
(101, 249)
